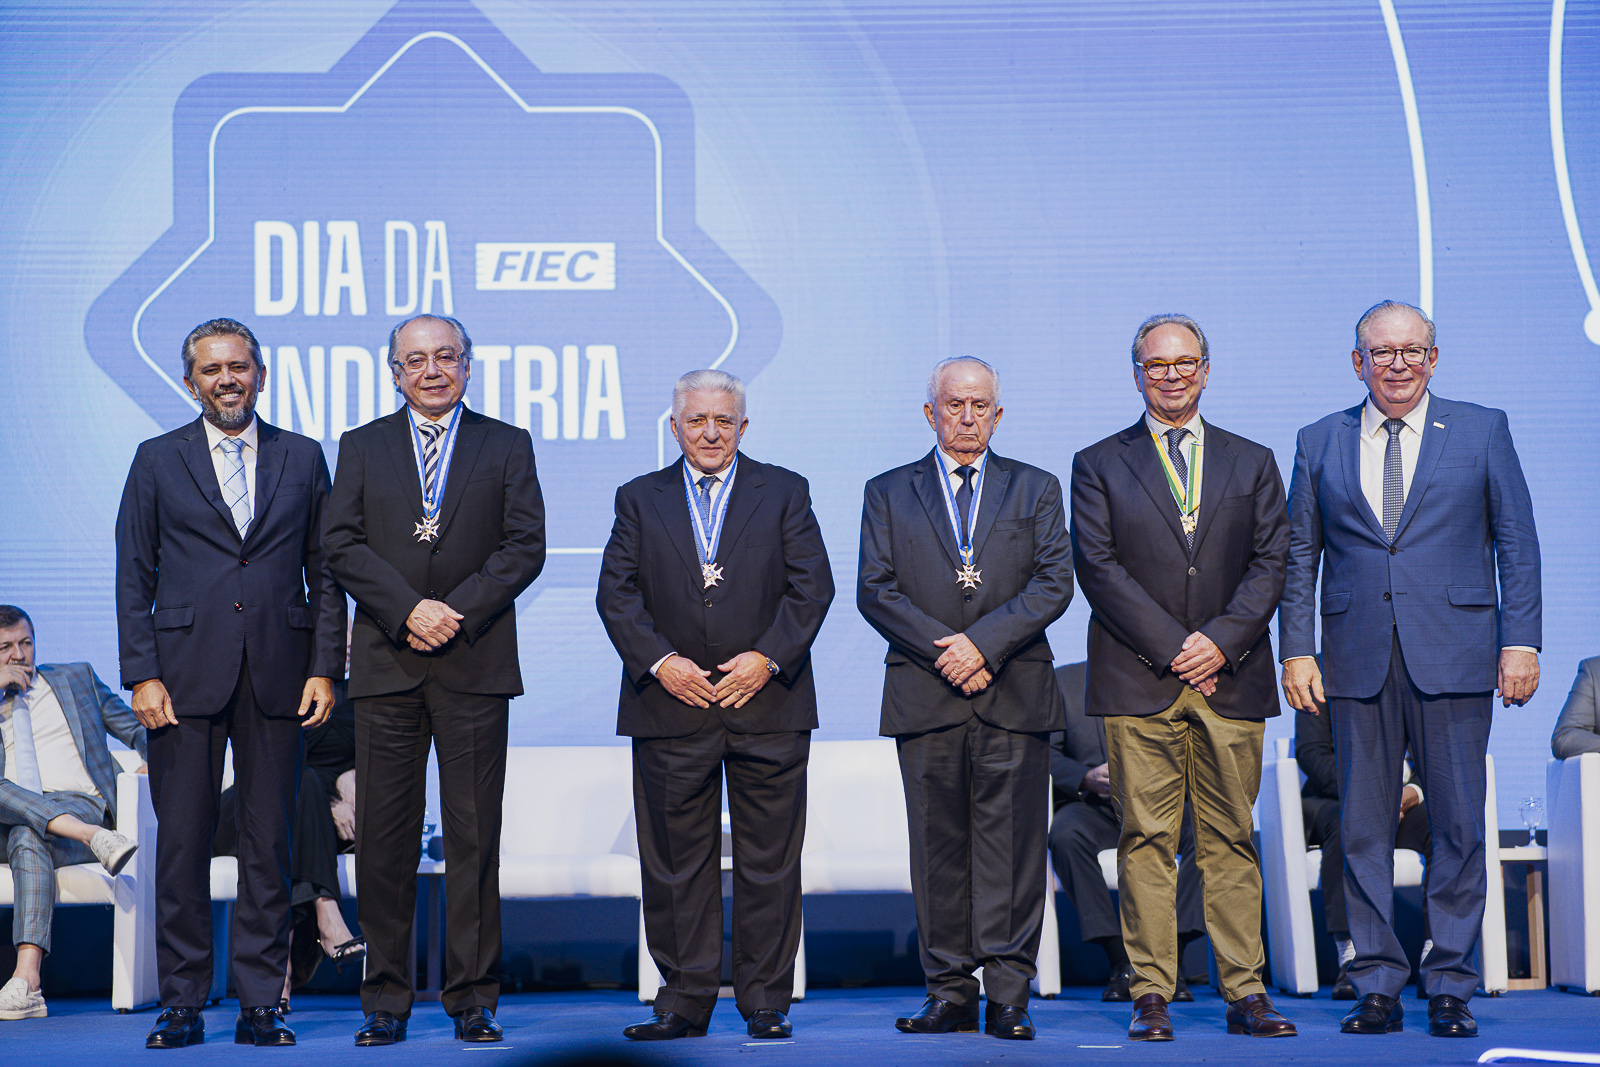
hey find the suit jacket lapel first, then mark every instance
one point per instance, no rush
(1140, 456)
(269, 471)
(996, 476)
(469, 442)
(746, 498)
(397, 435)
(196, 452)
(1350, 459)
(924, 482)
(1217, 461)
(1434, 436)
(674, 512)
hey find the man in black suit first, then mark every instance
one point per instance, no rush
(1319, 803)
(964, 562)
(436, 525)
(1180, 536)
(713, 586)
(1085, 823)
(231, 628)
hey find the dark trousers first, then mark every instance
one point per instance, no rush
(1078, 834)
(1448, 736)
(1322, 831)
(393, 736)
(977, 808)
(314, 843)
(677, 798)
(185, 782)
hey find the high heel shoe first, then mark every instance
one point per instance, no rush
(353, 949)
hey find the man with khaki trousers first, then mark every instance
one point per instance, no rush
(1180, 538)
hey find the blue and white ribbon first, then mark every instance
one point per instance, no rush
(706, 542)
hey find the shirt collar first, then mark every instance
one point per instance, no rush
(215, 437)
(417, 418)
(1195, 426)
(1372, 419)
(951, 464)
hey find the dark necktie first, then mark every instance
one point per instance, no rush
(964, 497)
(703, 500)
(1175, 438)
(430, 457)
(1394, 485)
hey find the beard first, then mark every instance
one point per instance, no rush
(227, 418)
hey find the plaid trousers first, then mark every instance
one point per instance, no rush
(34, 854)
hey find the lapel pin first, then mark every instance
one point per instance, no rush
(1440, 425)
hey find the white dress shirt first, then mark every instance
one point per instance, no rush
(1195, 427)
(219, 458)
(1375, 443)
(61, 768)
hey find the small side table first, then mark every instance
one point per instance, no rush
(1535, 856)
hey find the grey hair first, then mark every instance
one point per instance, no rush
(706, 381)
(1383, 307)
(1170, 318)
(219, 328)
(935, 377)
(455, 324)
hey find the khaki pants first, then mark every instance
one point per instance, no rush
(1155, 762)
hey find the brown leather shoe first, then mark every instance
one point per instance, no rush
(1150, 1019)
(1255, 1015)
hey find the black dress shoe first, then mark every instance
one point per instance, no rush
(1343, 988)
(1183, 994)
(381, 1028)
(477, 1024)
(663, 1026)
(940, 1016)
(263, 1027)
(1376, 1014)
(1008, 1021)
(769, 1022)
(176, 1028)
(1116, 991)
(1450, 1017)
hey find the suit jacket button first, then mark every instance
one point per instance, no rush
(237, 606)
(1193, 572)
(1394, 551)
(244, 563)
(967, 597)
(1386, 596)
(708, 603)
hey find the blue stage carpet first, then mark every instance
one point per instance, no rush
(850, 1028)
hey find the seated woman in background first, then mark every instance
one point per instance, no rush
(1577, 730)
(324, 826)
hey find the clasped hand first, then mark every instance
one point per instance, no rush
(962, 665)
(744, 676)
(431, 624)
(1198, 663)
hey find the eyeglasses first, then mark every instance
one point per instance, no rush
(1384, 357)
(446, 361)
(1156, 369)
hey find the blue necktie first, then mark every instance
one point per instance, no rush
(1394, 484)
(26, 771)
(702, 500)
(235, 491)
(964, 497)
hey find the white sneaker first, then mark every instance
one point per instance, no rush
(17, 1001)
(112, 849)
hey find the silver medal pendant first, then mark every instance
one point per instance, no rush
(711, 573)
(1190, 522)
(427, 529)
(969, 577)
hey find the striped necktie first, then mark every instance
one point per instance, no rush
(1175, 438)
(431, 432)
(1394, 484)
(235, 490)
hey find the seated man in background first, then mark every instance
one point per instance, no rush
(1085, 823)
(1578, 730)
(1313, 750)
(58, 792)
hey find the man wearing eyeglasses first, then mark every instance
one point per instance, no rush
(1413, 505)
(1179, 537)
(435, 526)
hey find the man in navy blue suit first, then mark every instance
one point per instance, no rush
(231, 628)
(1414, 505)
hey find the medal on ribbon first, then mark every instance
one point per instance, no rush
(1185, 493)
(428, 528)
(968, 576)
(708, 536)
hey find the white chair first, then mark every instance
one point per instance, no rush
(131, 893)
(857, 840)
(569, 831)
(1572, 792)
(1290, 871)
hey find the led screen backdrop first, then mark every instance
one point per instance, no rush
(822, 197)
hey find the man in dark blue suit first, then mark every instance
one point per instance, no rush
(1413, 505)
(231, 628)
